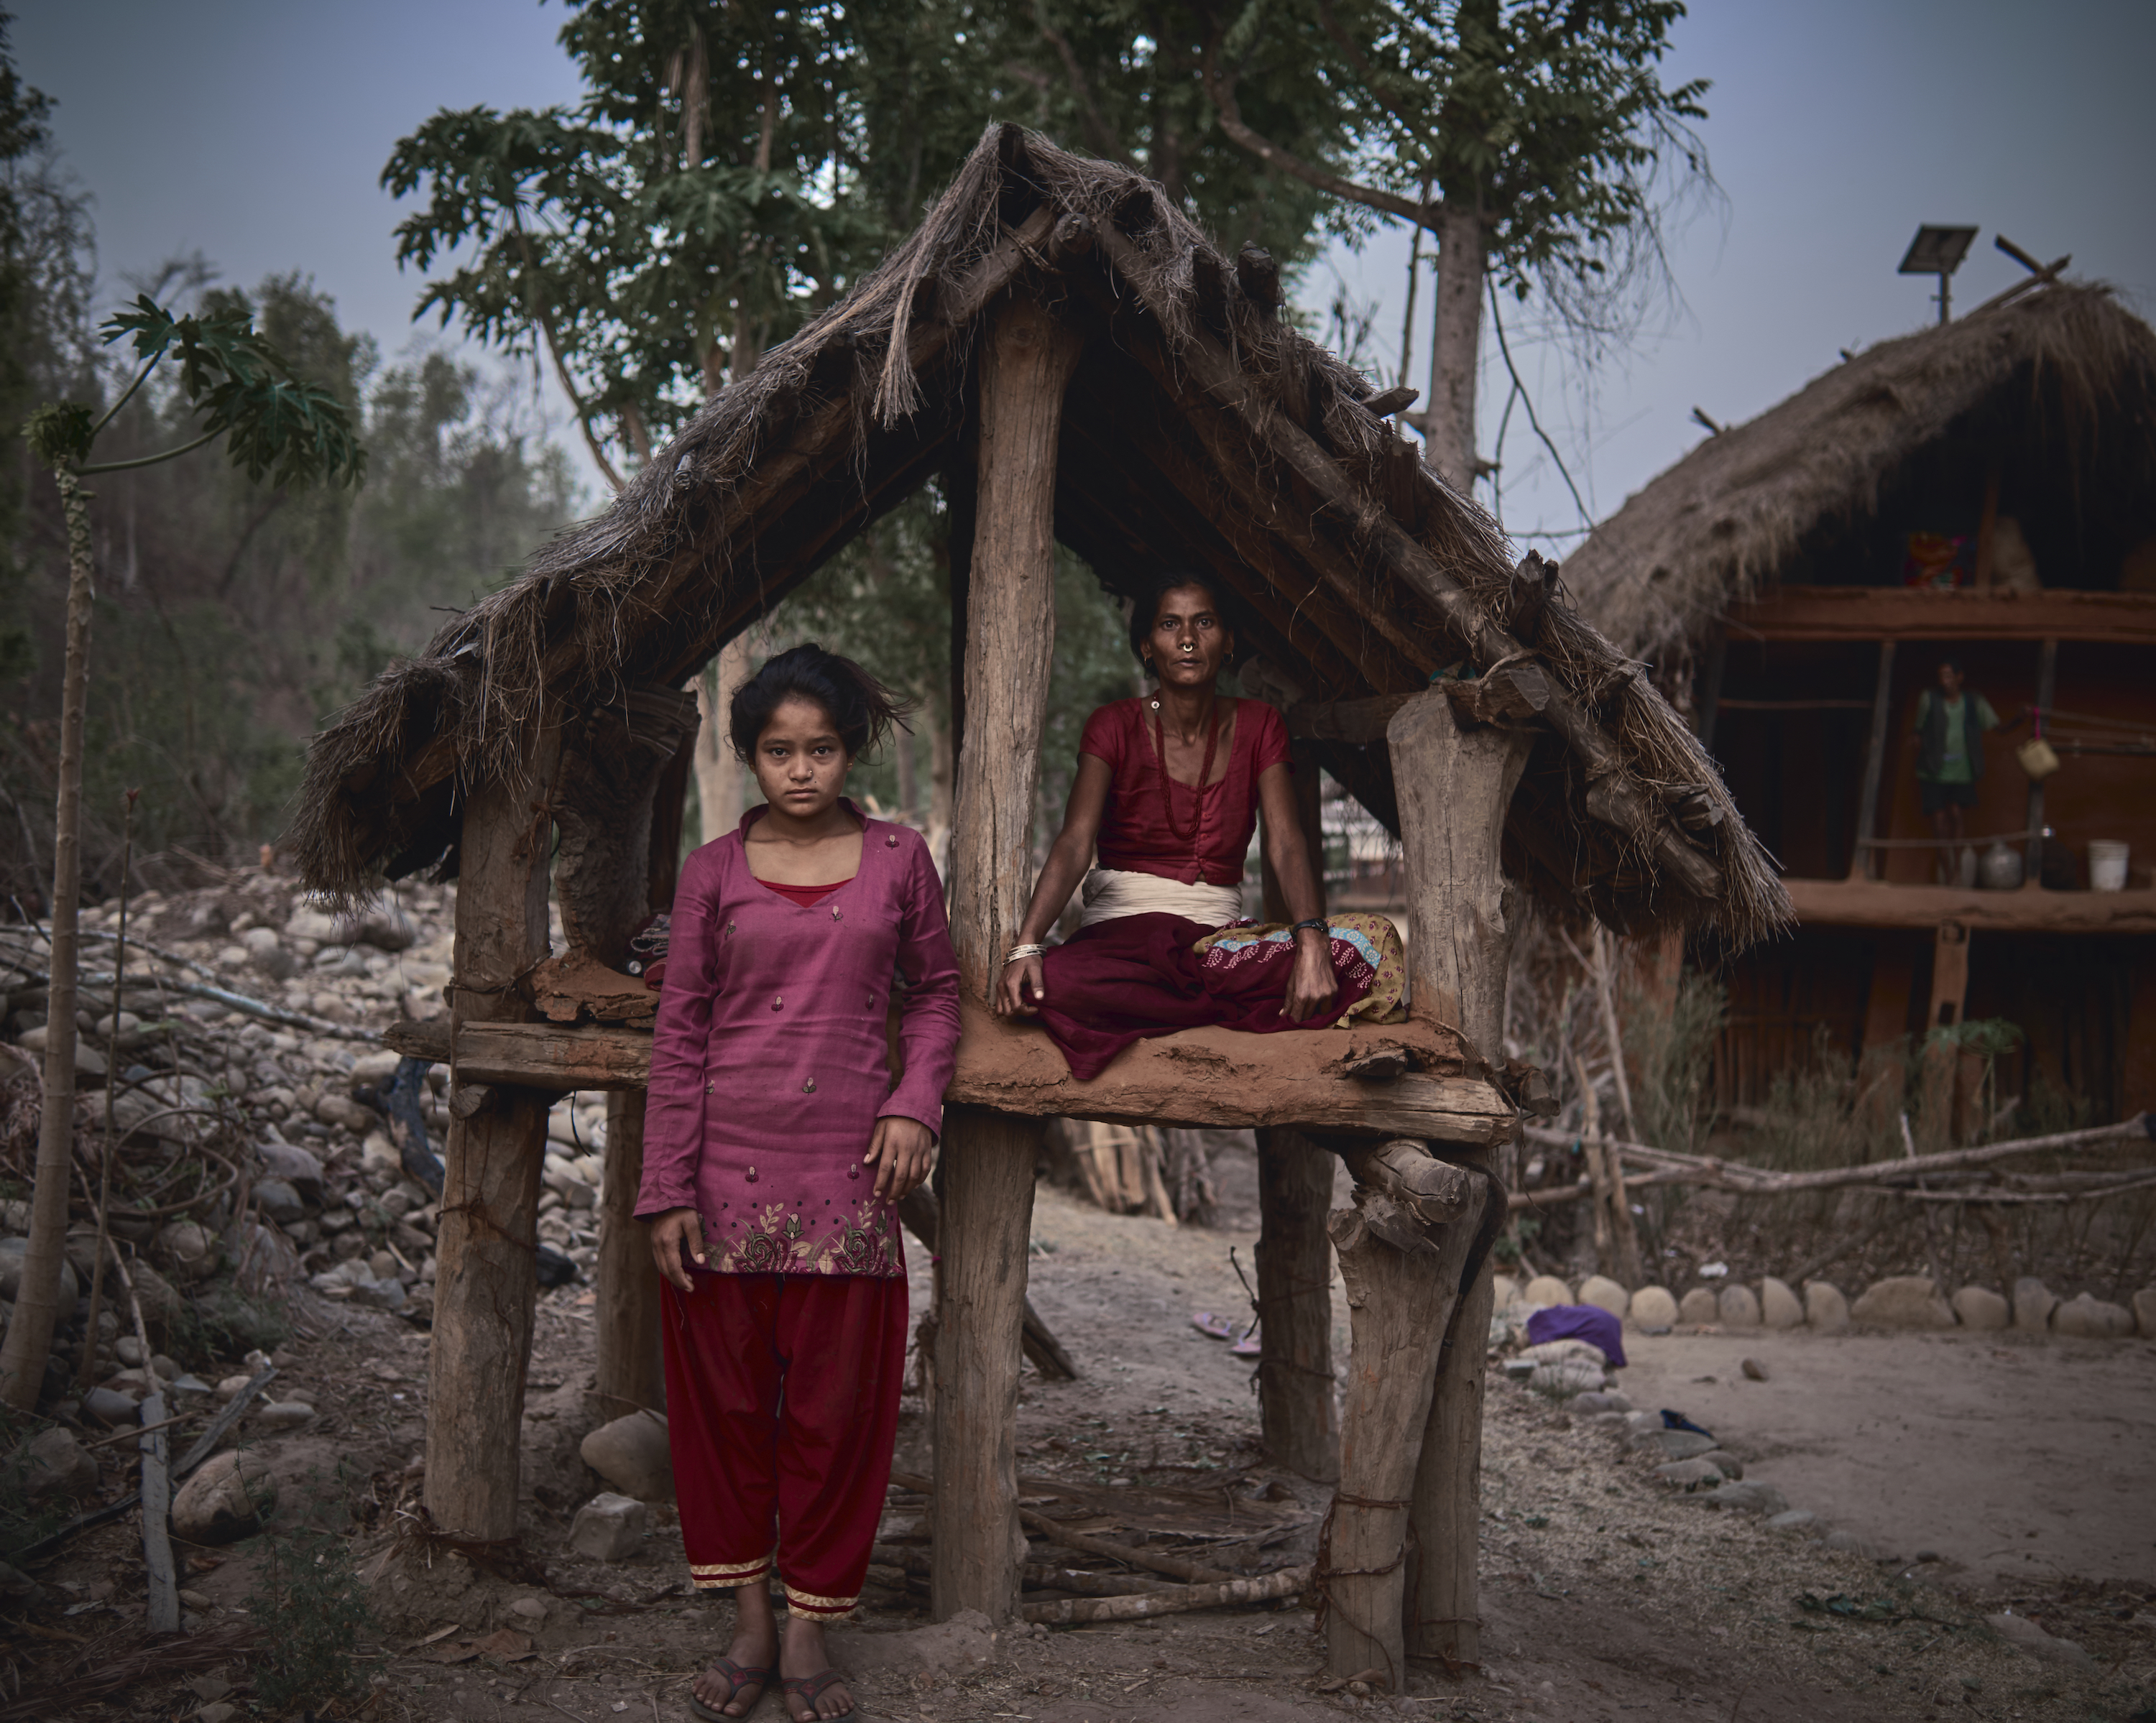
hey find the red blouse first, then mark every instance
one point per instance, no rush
(807, 896)
(1136, 836)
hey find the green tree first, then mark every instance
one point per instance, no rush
(1535, 138)
(272, 424)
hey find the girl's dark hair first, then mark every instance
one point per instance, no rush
(1145, 605)
(861, 709)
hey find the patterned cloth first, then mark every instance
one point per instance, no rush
(1366, 952)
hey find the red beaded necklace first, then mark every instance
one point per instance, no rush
(1204, 778)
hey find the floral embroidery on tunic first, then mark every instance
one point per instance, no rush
(776, 1241)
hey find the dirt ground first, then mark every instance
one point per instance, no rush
(2019, 1467)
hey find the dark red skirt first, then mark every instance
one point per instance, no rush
(1137, 977)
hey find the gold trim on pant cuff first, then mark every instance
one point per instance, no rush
(814, 1605)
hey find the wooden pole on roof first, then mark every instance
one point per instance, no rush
(1027, 358)
(1297, 1414)
(1455, 787)
(485, 1284)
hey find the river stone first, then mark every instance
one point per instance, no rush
(1739, 1307)
(1979, 1307)
(2033, 1304)
(1674, 1444)
(1902, 1301)
(190, 1248)
(2092, 1319)
(109, 1406)
(1605, 1294)
(631, 1454)
(1745, 1498)
(1850, 1544)
(1566, 1376)
(1725, 1462)
(282, 1415)
(55, 1463)
(1653, 1307)
(2144, 1312)
(1602, 1400)
(224, 1501)
(1547, 1289)
(1504, 1290)
(1780, 1306)
(1799, 1521)
(1689, 1474)
(12, 1253)
(608, 1527)
(280, 1200)
(1700, 1306)
(1826, 1308)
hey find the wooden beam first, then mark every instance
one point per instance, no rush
(1215, 1078)
(1027, 356)
(1863, 858)
(1872, 903)
(485, 1284)
(1456, 786)
(1910, 614)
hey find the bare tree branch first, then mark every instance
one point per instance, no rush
(1222, 92)
(1097, 129)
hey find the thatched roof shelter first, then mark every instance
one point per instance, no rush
(1201, 430)
(2055, 381)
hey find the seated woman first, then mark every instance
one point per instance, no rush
(1169, 788)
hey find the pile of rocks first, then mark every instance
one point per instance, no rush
(325, 1196)
(1899, 1301)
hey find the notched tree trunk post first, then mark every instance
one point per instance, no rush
(487, 1282)
(1026, 360)
(1455, 787)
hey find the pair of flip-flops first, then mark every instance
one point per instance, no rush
(1213, 1327)
(808, 1688)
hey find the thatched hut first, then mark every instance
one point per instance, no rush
(1076, 361)
(1985, 489)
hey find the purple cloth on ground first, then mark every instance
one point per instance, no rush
(1597, 1327)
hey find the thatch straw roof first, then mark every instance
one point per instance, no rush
(2060, 379)
(1201, 430)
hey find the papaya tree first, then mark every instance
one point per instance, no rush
(272, 424)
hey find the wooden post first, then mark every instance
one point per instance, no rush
(1026, 361)
(1862, 859)
(485, 1284)
(1455, 789)
(625, 1336)
(1298, 1414)
(1399, 1306)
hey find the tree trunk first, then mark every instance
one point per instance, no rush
(987, 1189)
(1455, 348)
(718, 773)
(485, 1286)
(1298, 1415)
(626, 1342)
(1399, 1306)
(29, 1342)
(1455, 787)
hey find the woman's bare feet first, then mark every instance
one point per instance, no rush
(755, 1647)
(802, 1657)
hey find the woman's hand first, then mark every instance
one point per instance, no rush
(1310, 989)
(1018, 979)
(903, 1151)
(670, 1232)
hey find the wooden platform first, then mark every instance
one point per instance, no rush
(1199, 1077)
(1907, 614)
(1872, 903)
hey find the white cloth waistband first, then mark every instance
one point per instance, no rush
(1109, 894)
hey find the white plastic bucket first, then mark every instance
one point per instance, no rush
(2107, 865)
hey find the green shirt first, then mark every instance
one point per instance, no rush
(1956, 764)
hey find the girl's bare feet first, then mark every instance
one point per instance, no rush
(803, 1658)
(755, 1647)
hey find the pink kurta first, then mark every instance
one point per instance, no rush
(768, 1062)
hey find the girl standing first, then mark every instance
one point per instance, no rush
(777, 1148)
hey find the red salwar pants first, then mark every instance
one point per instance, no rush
(782, 1406)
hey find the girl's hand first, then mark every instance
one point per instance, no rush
(1310, 989)
(1018, 979)
(903, 1151)
(670, 1232)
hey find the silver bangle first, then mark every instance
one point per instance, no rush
(1019, 952)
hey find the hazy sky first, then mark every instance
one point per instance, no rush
(256, 132)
